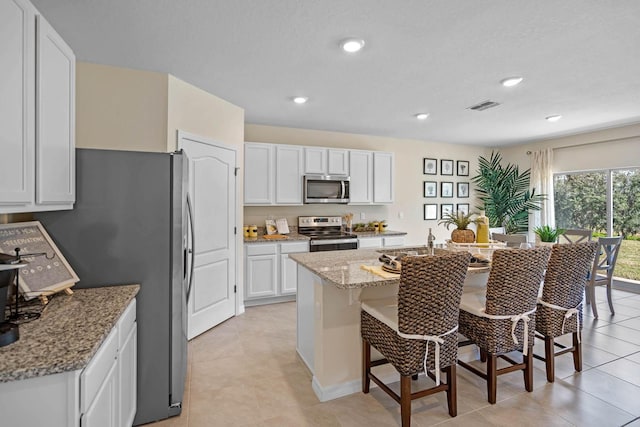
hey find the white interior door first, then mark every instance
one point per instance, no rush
(212, 187)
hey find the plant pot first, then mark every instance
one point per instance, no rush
(463, 236)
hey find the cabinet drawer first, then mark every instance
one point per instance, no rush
(269, 249)
(370, 242)
(393, 241)
(95, 373)
(290, 248)
(126, 322)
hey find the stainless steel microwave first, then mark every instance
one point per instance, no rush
(326, 189)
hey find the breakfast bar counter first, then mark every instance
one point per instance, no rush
(331, 286)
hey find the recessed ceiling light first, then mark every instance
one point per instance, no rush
(352, 45)
(553, 118)
(511, 81)
(422, 116)
(300, 99)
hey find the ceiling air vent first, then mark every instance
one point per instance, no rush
(484, 105)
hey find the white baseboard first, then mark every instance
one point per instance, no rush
(344, 389)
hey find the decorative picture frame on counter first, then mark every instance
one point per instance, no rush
(429, 166)
(446, 167)
(430, 211)
(48, 271)
(463, 207)
(446, 208)
(270, 226)
(463, 168)
(430, 189)
(446, 189)
(463, 190)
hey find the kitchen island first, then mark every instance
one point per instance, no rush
(330, 288)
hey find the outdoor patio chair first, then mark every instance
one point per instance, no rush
(503, 320)
(560, 306)
(602, 272)
(417, 331)
(512, 240)
(575, 235)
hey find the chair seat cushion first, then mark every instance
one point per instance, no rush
(385, 310)
(474, 303)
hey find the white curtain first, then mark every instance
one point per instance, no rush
(542, 181)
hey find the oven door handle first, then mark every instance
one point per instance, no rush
(331, 241)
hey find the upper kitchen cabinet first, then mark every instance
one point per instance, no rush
(273, 174)
(37, 115)
(361, 185)
(326, 161)
(383, 171)
(371, 177)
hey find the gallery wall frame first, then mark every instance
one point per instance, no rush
(446, 167)
(430, 211)
(446, 189)
(463, 190)
(429, 166)
(430, 189)
(462, 167)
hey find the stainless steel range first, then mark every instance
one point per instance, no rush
(326, 233)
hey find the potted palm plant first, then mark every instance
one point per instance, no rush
(547, 234)
(461, 220)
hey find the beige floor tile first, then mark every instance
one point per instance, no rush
(609, 344)
(632, 323)
(521, 410)
(606, 387)
(624, 333)
(634, 423)
(635, 357)
(230, 406)
(624, 369)
(578, 407)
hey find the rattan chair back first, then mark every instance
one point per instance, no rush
(430, 291)
(567, 273)
(514, 280)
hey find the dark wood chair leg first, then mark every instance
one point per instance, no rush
(528, 370)
(577, 352)
(414, 377)
(549, 359)
(452, 390)
(483, 355)
(405, 400)
(366, 365)
(492, 378)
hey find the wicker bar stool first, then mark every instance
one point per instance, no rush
(503, 319)
(417, 331)
(560, 307)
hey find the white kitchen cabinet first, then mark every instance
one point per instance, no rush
(383, 171)
(258, 173)
(393, 241)
(288, 267)
(273, 174)
(369, 242)
(101, 394)
(326, 161)
(261, 276)
(361, 184)
(37, 115)
(288, 175)
(270, 276)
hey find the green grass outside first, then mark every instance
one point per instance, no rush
(628, 264)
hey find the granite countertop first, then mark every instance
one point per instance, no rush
(291, 237)
(378, 234)
(343, 268)
(67, 334)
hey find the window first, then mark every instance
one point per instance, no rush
(606, 202)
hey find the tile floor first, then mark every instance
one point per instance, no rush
(245, 372)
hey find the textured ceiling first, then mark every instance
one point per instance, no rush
(579, 59)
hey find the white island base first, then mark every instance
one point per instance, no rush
(328, 332)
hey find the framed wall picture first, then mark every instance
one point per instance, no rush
(463, 190)
(446, 189)
(430, 189)
(429, 166)
(463, 168)
(430, 211)
(446, 167)
(445, 208)
(463, 207)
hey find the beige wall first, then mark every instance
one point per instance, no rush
(198, 112)
(408, 178)
(609, 148)
(120, 109)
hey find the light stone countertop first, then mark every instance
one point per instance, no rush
(378, 234)
(343, 268)
(67, 334)
(293, 236)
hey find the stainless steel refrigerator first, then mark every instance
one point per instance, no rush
(131, 224)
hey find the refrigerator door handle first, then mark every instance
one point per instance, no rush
(191, 249)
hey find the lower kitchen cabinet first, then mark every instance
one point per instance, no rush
(380, 242)
(101, 394)
(270, 276)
